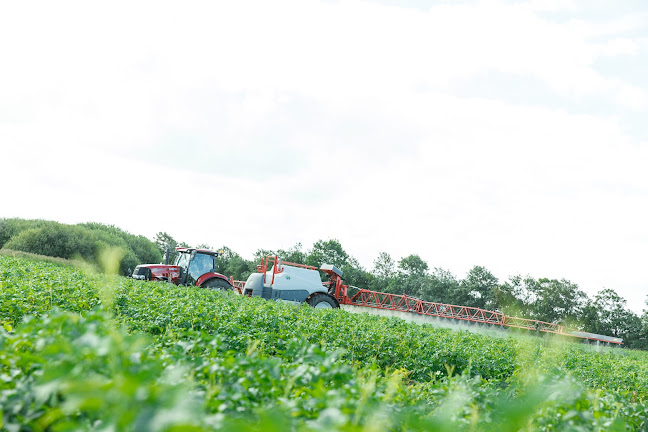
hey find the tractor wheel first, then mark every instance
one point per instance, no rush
(217, 284)
(323, 301)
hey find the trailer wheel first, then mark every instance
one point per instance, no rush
(217, 284)
(322, 301)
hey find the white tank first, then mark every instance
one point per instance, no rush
(296, 278)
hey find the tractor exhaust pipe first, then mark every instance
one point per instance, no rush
(166, 254)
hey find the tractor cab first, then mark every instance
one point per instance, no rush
(194, 263)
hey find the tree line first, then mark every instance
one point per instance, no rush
(552, 300)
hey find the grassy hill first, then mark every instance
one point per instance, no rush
(85, 351)
(92, 243)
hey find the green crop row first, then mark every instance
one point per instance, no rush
(89, 352)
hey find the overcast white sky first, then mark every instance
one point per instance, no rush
(506, 134)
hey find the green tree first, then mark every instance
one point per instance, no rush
(56, 240)
(607, 314)
(12, 227)
(383, 274)
(555, 300)
(136, 249)
(294, 254)
(354, 274)
(327, 252)
(86, 241)
(633, 331)
(384, 266)
(641, 339)
(513, 297)
(589, 319)
(145, 250)
(413, 265)
(332, 252)
(262, 253)
(612, 312)
(415, 285)
(477, 289)
(230, 263)
(441, 287)
(163, 240)
(411, 278)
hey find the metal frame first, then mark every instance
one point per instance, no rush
(405, 303)
(237, 285)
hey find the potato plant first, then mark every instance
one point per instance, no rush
(80, 351)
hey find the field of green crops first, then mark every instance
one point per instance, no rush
(81, 351)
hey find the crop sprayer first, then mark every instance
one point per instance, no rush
(277, 280)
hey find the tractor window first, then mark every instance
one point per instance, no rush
(182, 260)
(200, 265)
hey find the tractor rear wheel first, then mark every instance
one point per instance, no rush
(323, 301)
(217, 284)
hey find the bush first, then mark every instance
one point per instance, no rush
(11, 227)
(84, 241)
(56, 240)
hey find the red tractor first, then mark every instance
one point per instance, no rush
(192, 267)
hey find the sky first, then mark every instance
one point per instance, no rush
(506, 134)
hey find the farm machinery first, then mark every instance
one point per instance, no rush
(277, 280)
(191, 267)
(302, 283)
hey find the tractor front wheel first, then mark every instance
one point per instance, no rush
(217, 284)
(323, 301)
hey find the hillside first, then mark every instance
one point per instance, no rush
(88, 351)
(93, 243)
